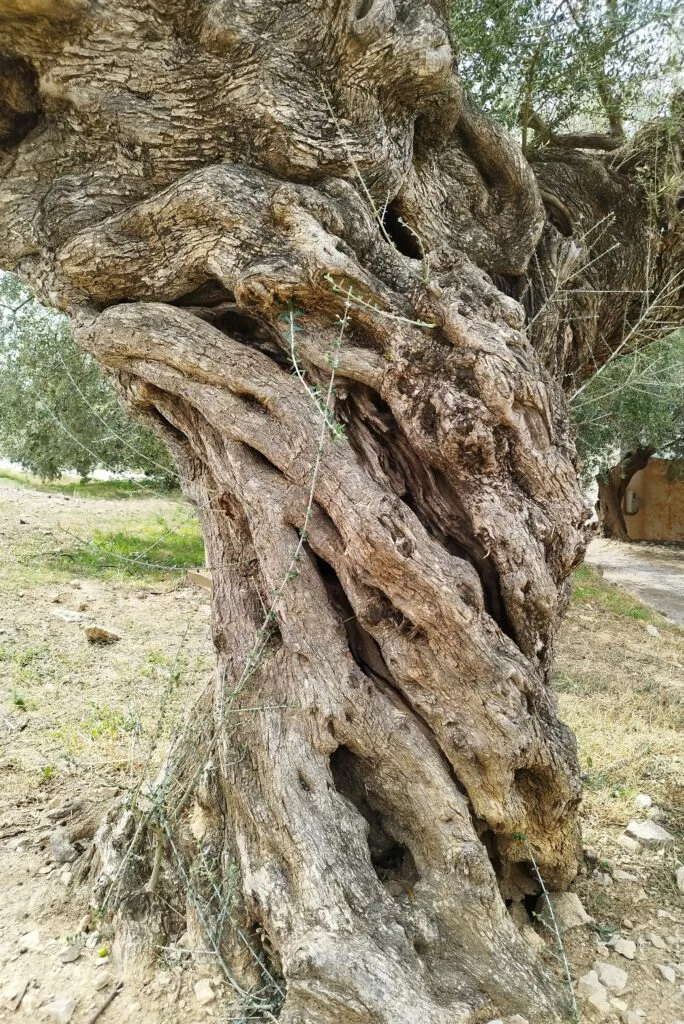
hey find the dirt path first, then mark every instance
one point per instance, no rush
(651, 572)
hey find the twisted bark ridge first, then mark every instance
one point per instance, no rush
(275, 225)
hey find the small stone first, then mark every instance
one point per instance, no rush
(102, 981)
(65, 878)
(590, 988)
(100, 635)
(533, 938)
(633, 1017)
(655, 814)
(62, 850)
(656, 940)
(680, 877)
(204, 993)
(652, 630)
(55, 802)
(624, 876)
(70, 954)
(31, 1001)
(591, 855)
(642, 801)
(12, 994)
(46, 869)
(629, 844)
(668, 973)
(649, 833)
(626, 923)
(29, 940)
(60, 1010)
(567, 910)
(604, 879)
(620, 1005)
(66, 614)
(84, 923)
(613, 977)
(519, 914)
(589, 983)
(599, 1003)
(626, 948)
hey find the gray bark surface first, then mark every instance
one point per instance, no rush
(191, 182)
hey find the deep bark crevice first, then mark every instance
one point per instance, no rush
(406, 241)
(392, 860)
(430, 495)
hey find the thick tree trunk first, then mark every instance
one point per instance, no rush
(273, 226)
(612, 488)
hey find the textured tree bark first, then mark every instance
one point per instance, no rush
(612, 488)
(219, 194)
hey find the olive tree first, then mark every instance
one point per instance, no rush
(330, 283)
(57, 410)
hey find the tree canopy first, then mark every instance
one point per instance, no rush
(559, 65)
(57, 410)
(636, 401)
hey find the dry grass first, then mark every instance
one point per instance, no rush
(622, 691)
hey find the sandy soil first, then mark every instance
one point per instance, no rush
(84, 724)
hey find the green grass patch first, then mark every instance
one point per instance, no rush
(150, 549)
(590, 588)
(73, 488)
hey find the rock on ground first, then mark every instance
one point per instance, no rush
(593, 992)
(60, 1010)
(567, 911)
(204, 993)
(613, 977)
(100, 635)
(649, 833)
(626, 948)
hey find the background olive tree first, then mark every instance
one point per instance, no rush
(630, 410)
(57, 411)
(558, 69)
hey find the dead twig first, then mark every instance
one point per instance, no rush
(110, 999)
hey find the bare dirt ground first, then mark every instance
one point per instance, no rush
(79, 720)
(653, 572)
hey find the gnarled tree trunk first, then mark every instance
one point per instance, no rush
(275, 226)
(612, 488)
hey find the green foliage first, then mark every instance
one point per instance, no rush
(57, 411)
(575, 63)
(636, 400)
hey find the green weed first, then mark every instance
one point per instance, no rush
(151, 549)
